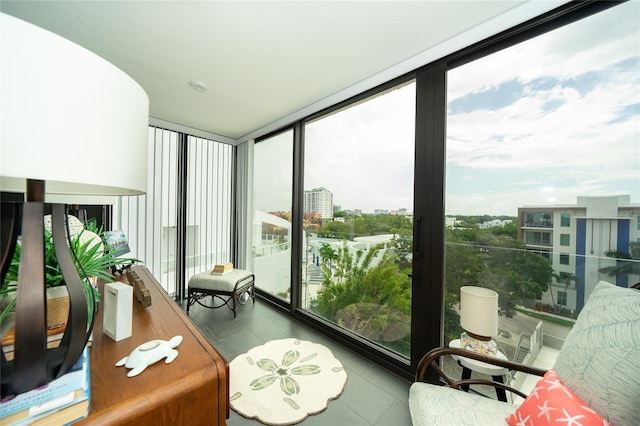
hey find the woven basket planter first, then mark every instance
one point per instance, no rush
(57, 306)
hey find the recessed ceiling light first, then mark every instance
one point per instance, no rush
(198, 86)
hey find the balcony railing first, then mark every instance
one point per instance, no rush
(532, 224)
(534, 242)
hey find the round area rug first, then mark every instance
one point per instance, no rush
(284, 381)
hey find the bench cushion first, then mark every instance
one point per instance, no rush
(600, 359)
(208, 281)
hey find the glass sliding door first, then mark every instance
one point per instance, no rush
(357, 221)
(542, 163)
(271, 225)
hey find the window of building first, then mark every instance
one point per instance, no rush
(562, 298)
(565, 239)
(564, 259)
(565, 219)
(538, 238)
(538, 220)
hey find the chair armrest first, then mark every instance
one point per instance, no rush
(430, 360)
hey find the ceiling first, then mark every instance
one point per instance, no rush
(267, 63)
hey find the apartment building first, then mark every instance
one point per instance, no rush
(579, 239)
(319, 200)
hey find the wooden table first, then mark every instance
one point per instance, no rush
(192, 390)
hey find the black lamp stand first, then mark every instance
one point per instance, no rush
(33, 364)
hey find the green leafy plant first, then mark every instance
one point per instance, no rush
(92, 259)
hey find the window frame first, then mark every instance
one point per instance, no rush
(429, 219)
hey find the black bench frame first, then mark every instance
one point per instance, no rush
(231, 299)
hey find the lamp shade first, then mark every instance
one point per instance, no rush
(479, 311)
(73, 126)
(69, 117)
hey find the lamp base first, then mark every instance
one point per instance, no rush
(484, 347)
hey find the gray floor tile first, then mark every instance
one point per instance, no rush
(397, 415)
(368, 401)
(372, 395)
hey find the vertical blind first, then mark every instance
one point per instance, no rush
(151, 221)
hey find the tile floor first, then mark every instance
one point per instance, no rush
(372, 395)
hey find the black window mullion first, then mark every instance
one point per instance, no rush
(181, 216)
(428, 265)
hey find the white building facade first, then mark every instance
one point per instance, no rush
(579, 239)
(319, 200)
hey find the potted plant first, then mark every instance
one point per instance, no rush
(92, 259)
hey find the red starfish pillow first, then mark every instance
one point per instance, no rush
(552, 403)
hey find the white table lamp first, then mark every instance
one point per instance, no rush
(74, 130)
(479, 319)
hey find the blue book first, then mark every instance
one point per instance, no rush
(68, 394)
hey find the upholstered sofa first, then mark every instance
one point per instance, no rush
(596, 374)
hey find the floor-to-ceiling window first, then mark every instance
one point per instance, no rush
(189, 224)
(272, 209)
(542, 175)
(358, 217)
(492, 185)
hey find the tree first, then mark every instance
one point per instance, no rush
(515, 273)
(499, 262)
(402, 243)
(566, 279)
(328, 254)
(463, 265)
(357, 283)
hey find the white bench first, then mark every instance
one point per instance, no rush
(229, 288)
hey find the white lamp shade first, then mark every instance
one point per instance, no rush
(479, 311)
(69, 117)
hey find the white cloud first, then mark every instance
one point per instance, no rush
(593, 43)
(571, 137)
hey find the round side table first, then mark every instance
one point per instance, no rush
(468, 365)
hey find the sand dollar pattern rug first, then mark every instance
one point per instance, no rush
(284, 381)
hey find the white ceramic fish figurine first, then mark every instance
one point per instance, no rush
(149, 353)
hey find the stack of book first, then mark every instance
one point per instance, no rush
(222, 269)
(54, 337)
(62, 401)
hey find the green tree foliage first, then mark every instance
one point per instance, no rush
(357, 279)
(402, 245)
(491, 258)
(496, 261)
(510, 230)
(365, 225)
(335, 229)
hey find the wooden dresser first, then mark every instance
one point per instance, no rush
(192, 390)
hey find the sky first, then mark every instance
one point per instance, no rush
(542, 122)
